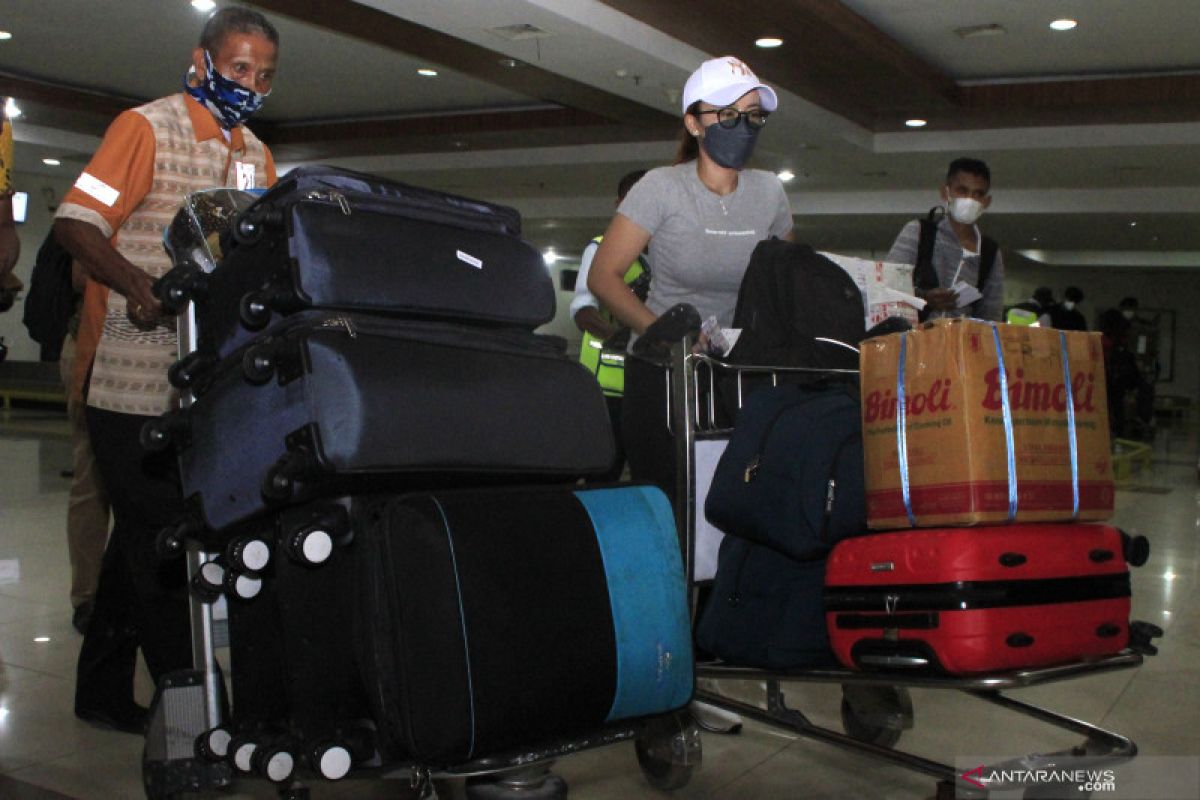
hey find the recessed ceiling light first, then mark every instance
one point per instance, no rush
(1133, 224)
(41, 638)
(427, 73)
(203, 5)
(4, 35)
(786, 175)
(768, 42)
(1063, 24)
(51, 162)
(916, 123)
(10, 109)
(510, 63)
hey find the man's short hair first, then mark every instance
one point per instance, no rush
(628, 181)
(235, 19)
(1074, 294)
(1128, 302)
(972, 166)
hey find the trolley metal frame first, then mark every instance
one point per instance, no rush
(691, 404)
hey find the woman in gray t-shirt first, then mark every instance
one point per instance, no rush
(701, 219)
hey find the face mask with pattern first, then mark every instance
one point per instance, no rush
(228, 100)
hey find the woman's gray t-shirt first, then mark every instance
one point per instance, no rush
(700, 242)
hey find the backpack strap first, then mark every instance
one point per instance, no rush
(987, 257)
(924, 276)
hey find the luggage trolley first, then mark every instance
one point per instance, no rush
(187, 748)
(876, 707)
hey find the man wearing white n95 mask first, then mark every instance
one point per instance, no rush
(959, 271)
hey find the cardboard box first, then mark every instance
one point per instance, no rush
(887, 288)
(954, 425)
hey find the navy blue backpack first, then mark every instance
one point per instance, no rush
(791, 477)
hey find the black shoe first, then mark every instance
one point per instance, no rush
(82, 616)
(129, 718)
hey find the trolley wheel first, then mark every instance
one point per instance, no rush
(669, 750)
(876, 714)
(254, 311)
(517, 786)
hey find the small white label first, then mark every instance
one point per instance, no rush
(245, 175)
(467, 258)
(95, 188)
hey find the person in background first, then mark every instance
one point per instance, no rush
(967, 277)
(701, 219)
(1066, 316)
(602, 349)
(112, 223)
(10, 243)
(1037, 310)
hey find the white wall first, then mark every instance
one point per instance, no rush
(44, 194)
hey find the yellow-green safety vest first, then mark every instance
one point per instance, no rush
(608, 365)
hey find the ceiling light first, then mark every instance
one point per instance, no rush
(1133, 224)
(510, 63)
(1063, 24)
(427, 73)
(51, 162)
(550, 257)
(916, 123)
(768, 42)
(203, 5)
(10, 109)
(786, 175)
(4, 35)
(41, 638)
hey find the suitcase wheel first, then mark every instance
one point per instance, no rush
(330, 760)
(171, 541)
(248, 228)
(241, 751)
(279, 485)
(184, 282)
(254, 311)
(1136, 549)
(275, 762)
(161, 432)
(241, 585)
(248, 554)
(258, 364)
(213, 744)
(183, 373)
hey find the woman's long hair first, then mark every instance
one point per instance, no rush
(689, 146)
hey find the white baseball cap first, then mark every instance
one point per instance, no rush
(721, 81)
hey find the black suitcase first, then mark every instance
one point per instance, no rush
(334, 239)
(327, 404)
(506, 618)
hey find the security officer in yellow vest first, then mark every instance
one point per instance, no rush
(602, 350)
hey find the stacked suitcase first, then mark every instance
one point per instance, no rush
(384, 454)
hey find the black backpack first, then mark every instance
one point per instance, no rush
(797, 308)
(925, 276)
(791, 477)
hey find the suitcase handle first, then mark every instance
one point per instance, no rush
(1012, 559)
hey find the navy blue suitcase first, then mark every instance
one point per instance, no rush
(326, 404)
(330, 238)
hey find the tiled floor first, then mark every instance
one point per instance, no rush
(46, 753)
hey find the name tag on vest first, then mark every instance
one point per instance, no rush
(245, 175)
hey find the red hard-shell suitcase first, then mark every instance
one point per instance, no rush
(972, 600)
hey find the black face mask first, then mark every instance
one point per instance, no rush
(729, 147)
